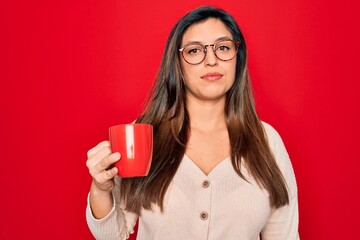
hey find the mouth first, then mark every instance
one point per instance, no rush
(212, 76)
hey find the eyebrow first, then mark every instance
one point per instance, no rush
(199, 42)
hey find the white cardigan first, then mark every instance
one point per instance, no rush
(220, 205)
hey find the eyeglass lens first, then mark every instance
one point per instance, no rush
(195, 53)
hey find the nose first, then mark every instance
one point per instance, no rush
(210, 57)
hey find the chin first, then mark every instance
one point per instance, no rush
(213, 97)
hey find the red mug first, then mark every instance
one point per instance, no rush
(135, 144)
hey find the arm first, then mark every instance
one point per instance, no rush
(105, 217)
(283, 222)
(117, 224)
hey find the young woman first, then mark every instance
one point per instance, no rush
(218, 172)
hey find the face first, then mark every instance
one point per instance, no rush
(212, 78)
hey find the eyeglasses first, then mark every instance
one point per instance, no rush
(195, 53)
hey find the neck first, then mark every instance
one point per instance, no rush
(206, 115)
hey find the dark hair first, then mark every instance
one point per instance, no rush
(166, 111)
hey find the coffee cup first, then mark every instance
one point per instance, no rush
(135, 144)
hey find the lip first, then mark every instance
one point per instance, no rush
(212, 76)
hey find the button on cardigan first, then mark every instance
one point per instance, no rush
(220, 205)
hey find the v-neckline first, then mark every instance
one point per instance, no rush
(198, 169)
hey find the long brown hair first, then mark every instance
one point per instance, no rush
(166, 111)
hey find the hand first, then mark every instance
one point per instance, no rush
(99, 164)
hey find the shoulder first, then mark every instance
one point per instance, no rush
(270, 131)
(274, 140)
(281, 156)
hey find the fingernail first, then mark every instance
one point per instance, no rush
(116, 156)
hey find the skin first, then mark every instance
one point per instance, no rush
(198, 89)
(208, 143)
(98, 162)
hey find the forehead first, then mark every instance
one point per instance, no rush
(206, 32)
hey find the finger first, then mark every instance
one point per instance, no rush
(111, 173)
(103, 180)
(95, 149)
(105, 163)
(98, 156)
(102, 165)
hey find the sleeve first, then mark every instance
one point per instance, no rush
(118, 224)
(283, 222)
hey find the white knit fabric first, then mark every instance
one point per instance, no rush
(228, 208)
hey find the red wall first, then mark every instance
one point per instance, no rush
(71, 69)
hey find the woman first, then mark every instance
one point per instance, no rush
(218, 172)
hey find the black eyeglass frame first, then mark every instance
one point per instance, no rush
(237, 45)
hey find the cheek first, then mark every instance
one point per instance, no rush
(232, 72)
(189, 79)
(185, 70)
(190, 72)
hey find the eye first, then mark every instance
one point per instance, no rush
(223, 48)
(194, 50)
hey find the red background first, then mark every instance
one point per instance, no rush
(71, 69)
